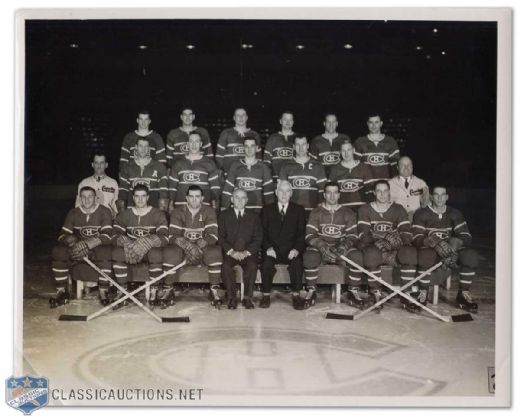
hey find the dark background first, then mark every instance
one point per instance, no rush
(85, 81)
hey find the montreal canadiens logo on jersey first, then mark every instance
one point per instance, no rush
(141, 231)
(382, 227)
(185, 148)
(301, 182)
(376, 159)
(285, 152)
(89, 231)
(191, 177)
(144, 182)
(349, 186)
(331, 158)
(247, 184)
(193, 235)
(238, 149)
(440, 234)
(331, 230)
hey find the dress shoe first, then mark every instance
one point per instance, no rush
(232, 304)
(265, 302)
(247, 303)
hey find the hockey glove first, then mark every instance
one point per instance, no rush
(450, 261)
(383, 245)
(79, 250)
(93, 242)
(390, 258)
(69, 240)
(456, 243)
(123, 241)
(202, 243)
(431, 241)
(327, 254)
(394, 239)
(142, 246)
(444, 250)
(365, 239)
(131, 256)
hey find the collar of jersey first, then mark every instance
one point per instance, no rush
(437, 212)
(146, 212)
(151, 131)
(88, 213)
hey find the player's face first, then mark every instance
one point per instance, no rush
(347, 152)
(142, 148)
(382, 193)
(194, 199)
(301, 147)
(88, 199)
(405, 167)
(187, 117)
(330, 124)
(99, 165)
(140, 199)
(439, 197)
(331, 195)
(284, 193)
(194, 143)
(240, 117)
(239, 199)
(250, 148)
(374, 124)
(143, 121)
(287, 121)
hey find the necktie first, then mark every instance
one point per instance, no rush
(239, 216)
(406, 183)
(282, 213)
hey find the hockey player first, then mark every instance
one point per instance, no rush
(279, 146)
(230, 145)
(87, 231)
(139, 234)
(106, 188)
(326, 148)
(306, 175)
(441, 233)
(146, 171)
(331, 232)
(353, 177)
(385, 238)
(177, 138)
(156, 150)
(380, 151)
(194, 169)
(194, 236)
(251, 175)
(408, 190)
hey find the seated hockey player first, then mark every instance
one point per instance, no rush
(251, 175)
(146, 171)
(240, 236)
(194, 169)
(139, 234)
(87, 231)
(193, 236)
(441, 233)
(284, 242)
(279, 146)
(331, 232)
(353, 177)
(385, 238)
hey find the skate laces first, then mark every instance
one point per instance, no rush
(467, 296)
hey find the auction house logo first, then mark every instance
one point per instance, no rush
(27, 393)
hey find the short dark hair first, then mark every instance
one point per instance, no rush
(141, 187)
(252, 137)
(194, 188)
(195, 133)
(287, 111)
(144, 112)
(87, 188)
(439, 186)
(142, 139)
(373, 115)
(300, 135)
(330, 114)
(381, 182)
(187, 107)
(98, 154)
(329, 184)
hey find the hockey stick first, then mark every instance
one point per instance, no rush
(456, 318)
(71, 317)
(382, 301)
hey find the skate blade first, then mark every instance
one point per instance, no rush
(175, 319)
(72, 318)
(461, 318)
(336, 316)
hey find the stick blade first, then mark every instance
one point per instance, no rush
(461, 318)
(175, 319)
(336, 316)
(72, 318)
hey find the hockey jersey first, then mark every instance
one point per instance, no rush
(373, 224)
(202, 225)
(133, 225)
(97, 223)
(177, 143)
(153, 175)
(106, 189)
(230, 147)
(327, 152)
(307, 181)
(157, 150)
(256, 180)
(186, 172)
(332, 226)
(381, 156)
(355, 184)
(278, 150)
(451, 223)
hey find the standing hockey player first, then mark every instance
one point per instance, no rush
(385, 238)
(379, 151)
(240, 235)
(87, 231)
(106, 188)
(177, 139)
(194, 169)
(230, 145)
(156, 150)
(408, 190)
(279, 147)
(441, 233)
(331, 232)
(306, 175)
(326, 148)
(353, 177)
(194, 236)
(143, 170)
(251, 175)
(139, 234)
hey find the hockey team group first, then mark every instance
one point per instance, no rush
(301, 202)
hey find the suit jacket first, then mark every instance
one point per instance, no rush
(240, 236)
(283, 237)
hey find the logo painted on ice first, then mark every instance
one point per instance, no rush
(331, 230)
(141, 231)
(331, 158)
(376, 159)
(191, 177)
(89, 231)
(380, 227)
(238, 149)
(185, 148)
(285, 152)
(349, 186)
(247, 184)
(193, 235)
(27, 393)
(301, 182)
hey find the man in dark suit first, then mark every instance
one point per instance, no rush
(240, 235)
(284, 242)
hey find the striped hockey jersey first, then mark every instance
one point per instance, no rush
(177, 144)
(97, 223)
(202, 225)
(332, 227)
(373, 225)
(327, 152)
(355, 184)
(133, 225)
(382, 157)
(278, 150)
(157, 150)
(230, 147)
